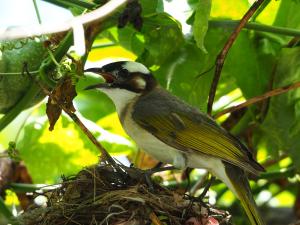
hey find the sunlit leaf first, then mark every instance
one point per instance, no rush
(163, 37)
(200, 25)
(180, 72)
(267, 16)
(282, 126)
(287, 15)
(92, 104)
(232, 9)
(48, 155)
(243, 64)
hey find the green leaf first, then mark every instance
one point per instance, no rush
(85, 100)
(281, 128)
(248, 69)
(163, 37)
(131, 39)
(48, 155)
(14, 85)
(151, 7)
(160, 6)
(200, 24)
(179, 72)
(232, 9)
(288, 14)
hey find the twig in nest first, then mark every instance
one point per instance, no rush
(256, 99)
(222, 55)
(153, 217)
(132, 202)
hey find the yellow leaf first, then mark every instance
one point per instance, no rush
(110, 52)
(112, 123)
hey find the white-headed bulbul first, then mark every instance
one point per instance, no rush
(174, 132)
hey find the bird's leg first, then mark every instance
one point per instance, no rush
(206, 188)
(186, 173)
(148, 173)
(158, 165)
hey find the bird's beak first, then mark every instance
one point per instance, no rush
(109, 78)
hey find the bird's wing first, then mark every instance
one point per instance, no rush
(196, 132)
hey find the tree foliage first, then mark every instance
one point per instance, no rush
(262, 58)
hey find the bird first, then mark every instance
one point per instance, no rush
(174, 132)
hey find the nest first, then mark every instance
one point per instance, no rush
(104, 194)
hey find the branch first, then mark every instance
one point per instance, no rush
(256, 99)
(37, 30)
(222, 55)
(104, 154)
(256, 26)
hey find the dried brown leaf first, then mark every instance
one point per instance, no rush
(62, 95)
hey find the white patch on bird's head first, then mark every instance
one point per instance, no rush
(120, 97)
(139, 83)
(135, 67)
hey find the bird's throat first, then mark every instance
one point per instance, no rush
(121, 98)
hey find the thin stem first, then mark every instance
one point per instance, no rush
(289, 172)
(272, 162)
(18, 73)
(96, 46)
(222, 55)
(24, 188)
(48, 65)
(260, 98)
(256, 26)
(37, 11)
(53, 58)
(21, 127)
(206, 187)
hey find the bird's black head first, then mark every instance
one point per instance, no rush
(132, 76)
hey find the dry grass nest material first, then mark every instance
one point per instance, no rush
(103, 194)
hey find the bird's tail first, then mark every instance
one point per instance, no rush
(240, 184)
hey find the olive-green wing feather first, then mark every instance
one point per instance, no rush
(186, 129)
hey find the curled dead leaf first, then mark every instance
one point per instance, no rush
(62, 95)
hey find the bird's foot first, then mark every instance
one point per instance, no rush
(156, 169)
(206, 188)
(146, 174)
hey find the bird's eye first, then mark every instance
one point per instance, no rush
(123, 73)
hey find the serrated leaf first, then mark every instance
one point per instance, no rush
(200, 24)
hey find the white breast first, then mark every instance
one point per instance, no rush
(146, 141)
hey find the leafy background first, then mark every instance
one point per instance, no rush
(258, 61)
